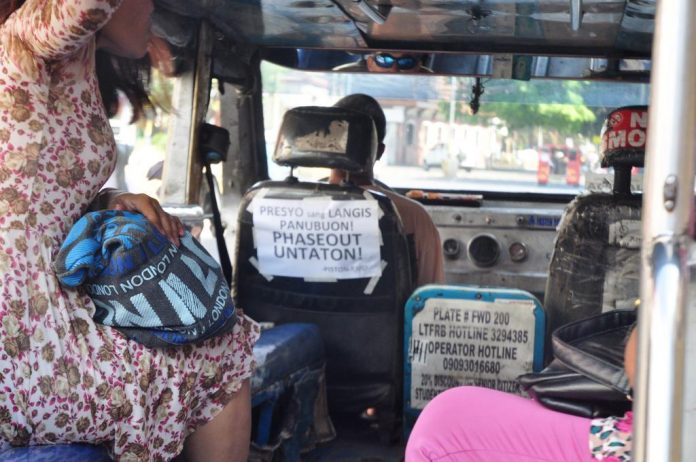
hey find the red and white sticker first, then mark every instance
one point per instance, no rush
(625, 129)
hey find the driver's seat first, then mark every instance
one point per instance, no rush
(331, 255)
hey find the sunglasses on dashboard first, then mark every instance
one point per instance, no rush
(404, 63)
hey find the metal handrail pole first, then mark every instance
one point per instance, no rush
(182, 173)
(667, 203)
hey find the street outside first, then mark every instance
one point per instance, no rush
(400, 177)
(414, 177)
(513, 181)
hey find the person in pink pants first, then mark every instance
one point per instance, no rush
(471, 424)
(481, 425)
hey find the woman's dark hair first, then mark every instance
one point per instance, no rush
(130, 76)
(7, 7)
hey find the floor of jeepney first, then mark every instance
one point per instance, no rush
(356, 441)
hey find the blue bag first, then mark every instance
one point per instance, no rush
(154, 292)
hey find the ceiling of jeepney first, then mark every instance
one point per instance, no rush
(608, 28)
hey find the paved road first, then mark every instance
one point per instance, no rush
(476, 180)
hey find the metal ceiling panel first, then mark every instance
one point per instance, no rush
(275, 23)
(609, 28)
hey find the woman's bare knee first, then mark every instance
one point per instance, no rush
(226, 437)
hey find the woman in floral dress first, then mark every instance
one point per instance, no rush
(63, 378)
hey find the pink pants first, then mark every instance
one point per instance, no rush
(470, 424)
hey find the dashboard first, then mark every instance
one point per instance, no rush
(500, 243)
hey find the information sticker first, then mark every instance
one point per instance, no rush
(470, 342)
(622, 278)
(317, 239)
(625, 234)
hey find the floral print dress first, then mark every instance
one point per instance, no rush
(63, 378)
(611, 438)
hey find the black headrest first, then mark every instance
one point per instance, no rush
(329, 137)
(623, 137)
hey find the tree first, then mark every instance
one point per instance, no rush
(554, 105)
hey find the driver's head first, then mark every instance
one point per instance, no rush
(396, 62)
(367, 105)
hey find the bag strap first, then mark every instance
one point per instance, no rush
(225, 261)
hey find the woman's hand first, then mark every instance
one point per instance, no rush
(630, 356)
(167, 224)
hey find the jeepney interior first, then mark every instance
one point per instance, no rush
(515, 90)
(514, 95)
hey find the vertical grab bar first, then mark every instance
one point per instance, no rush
(182, 175)
(667, 203)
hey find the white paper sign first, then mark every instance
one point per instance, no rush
(317, 239)
(470, 342)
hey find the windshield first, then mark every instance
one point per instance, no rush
(539, 136)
